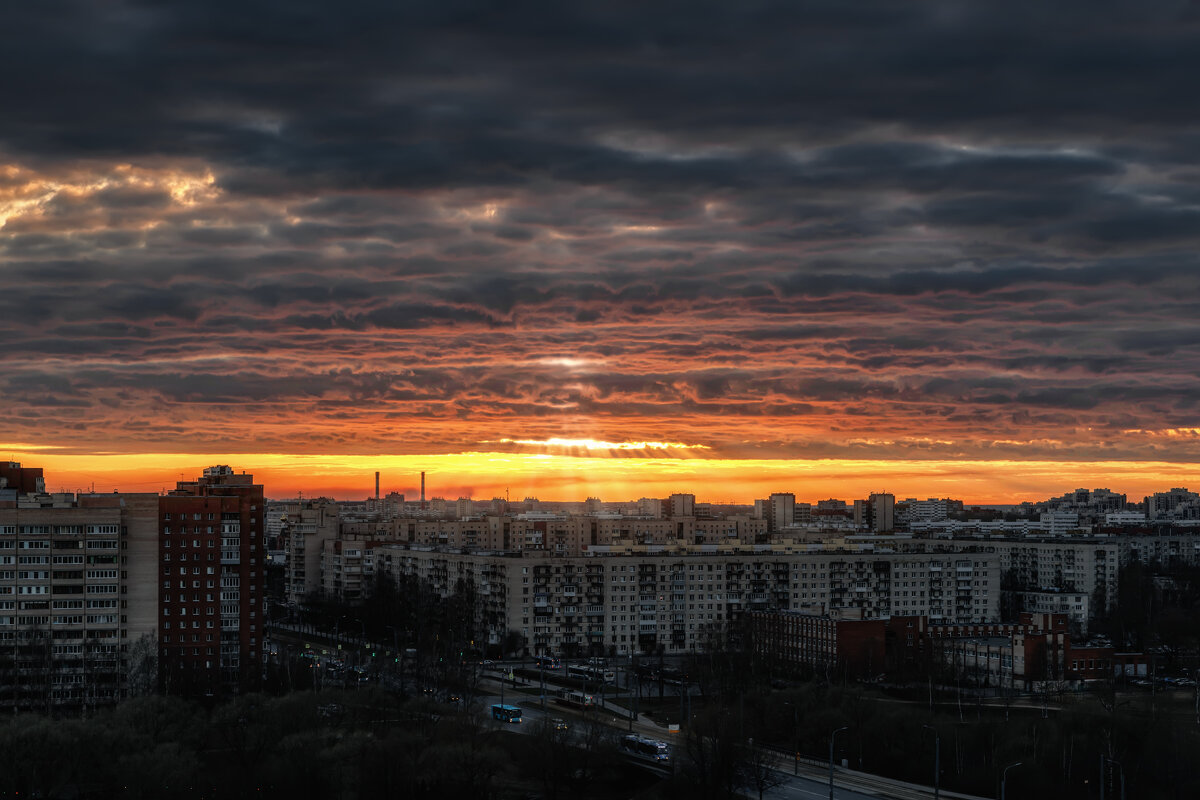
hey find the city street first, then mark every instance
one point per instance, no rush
(806, 788)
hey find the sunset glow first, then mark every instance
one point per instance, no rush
(494, 260)
(564, 477)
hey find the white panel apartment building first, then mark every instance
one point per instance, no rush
(307, 528)
(640, 599)
(1070, 563)
(1084, 564)
(78, 592)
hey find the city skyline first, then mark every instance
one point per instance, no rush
(309, 478)
(573, 249)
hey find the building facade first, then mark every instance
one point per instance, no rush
(642, 600)
(212, 551)
(77, 596)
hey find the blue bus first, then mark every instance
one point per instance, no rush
(547, 662)
(646, 749)
(506, 713)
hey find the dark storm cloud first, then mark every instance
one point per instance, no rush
(962, 229)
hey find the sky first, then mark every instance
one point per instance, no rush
(603, 248)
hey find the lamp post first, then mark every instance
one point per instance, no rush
(1104, 761)
(832, 737)
(795, 743)
(637, 690)
(937, 761)
(1004, 777)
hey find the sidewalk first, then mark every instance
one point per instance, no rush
(866, 782)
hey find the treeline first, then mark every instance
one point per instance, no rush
(1158, 611)
(334, 745)
(408, 611)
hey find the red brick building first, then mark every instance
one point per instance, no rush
(21, 480)
(211, 599)
(1027, 654)
(838, 643)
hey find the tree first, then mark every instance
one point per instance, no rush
(758, 772)
(142, 667)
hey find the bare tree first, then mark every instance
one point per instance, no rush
(757, 770)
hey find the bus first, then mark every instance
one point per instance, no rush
(590, 673)
(506, 713)
(546, 662)
(645, 748)
(575, 699)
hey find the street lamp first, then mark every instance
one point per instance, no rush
(1104, 761)
(832, 737)
(937, 760)
(1004, 777)
(795, 743)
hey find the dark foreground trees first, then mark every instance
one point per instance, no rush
(333, 745)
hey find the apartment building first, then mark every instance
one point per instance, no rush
(1085, 564)
(876, 513)
(212, 548)
(1165, 546)
(780, 511)
(1178, 503)
(569, 536)
(346, 569)
(307, 527)
(77, 595)
(635, 598)
(1075, 606)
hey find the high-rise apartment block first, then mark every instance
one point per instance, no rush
(682, 505)
(307, 525)
(77, 595)
(212, 552)
(781, 511)
(876, 513)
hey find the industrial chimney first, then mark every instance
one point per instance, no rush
(422, 490)
(376, 484)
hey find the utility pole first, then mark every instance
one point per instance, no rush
(832, 737)
(1004, 777)
(937, 761)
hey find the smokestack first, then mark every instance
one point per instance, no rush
(422, 490)
(377, 484)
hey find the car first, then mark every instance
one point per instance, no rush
(453, 698)
(559, 724)
(487, 664)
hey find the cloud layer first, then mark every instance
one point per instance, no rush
(777, 230)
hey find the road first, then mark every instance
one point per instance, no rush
(806, 789)
(810, 784)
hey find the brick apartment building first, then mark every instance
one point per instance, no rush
(212, 554)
